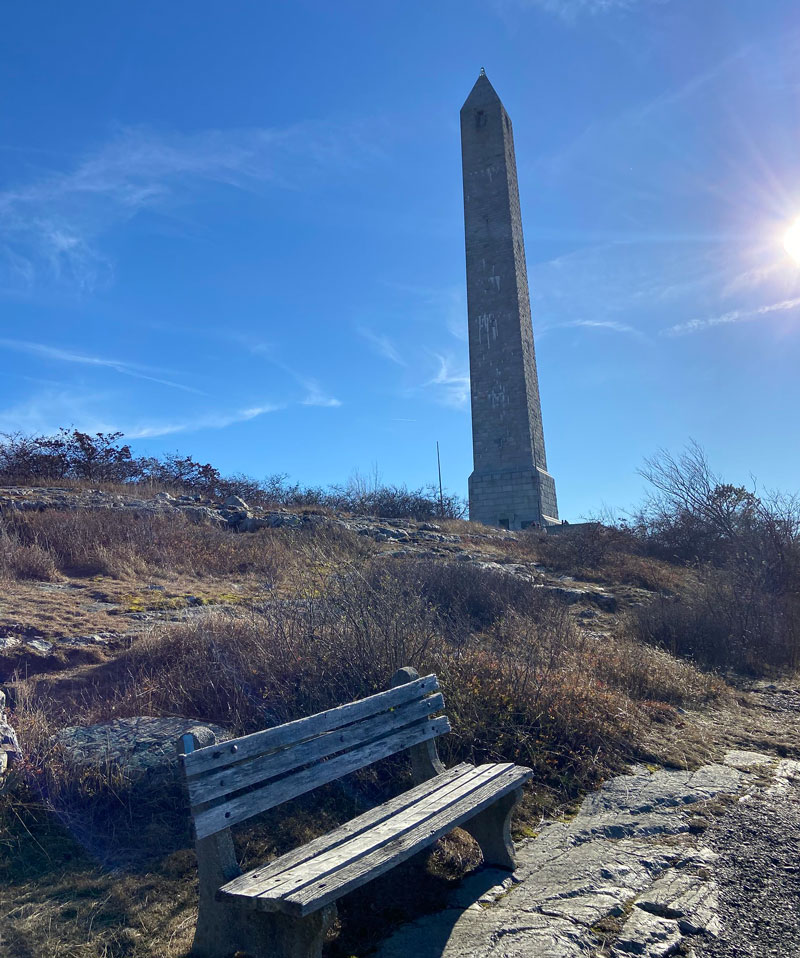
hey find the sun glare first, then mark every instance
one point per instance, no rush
(791, 240)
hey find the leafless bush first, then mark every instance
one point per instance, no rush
(743, 610)
(520, 682)
(595, 550)
(725, 622)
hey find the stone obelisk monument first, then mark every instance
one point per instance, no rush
(510, 485)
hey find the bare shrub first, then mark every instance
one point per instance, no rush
(520, 681)
(599, 552)
(743, 611)
(724, 623)
(467, 597)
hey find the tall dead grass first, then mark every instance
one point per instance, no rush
(596, 552)
(120, 544)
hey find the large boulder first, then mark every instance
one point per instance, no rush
(136, 746)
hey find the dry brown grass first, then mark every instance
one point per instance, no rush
(521, 683)
(120, 544)
(598, 553)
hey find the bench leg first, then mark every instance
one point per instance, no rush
(491, 829)
(231, 929)
(220, 928)
(288, 937)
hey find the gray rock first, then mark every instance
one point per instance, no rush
(40, 645)
(648, 935)
(690, 899)
(10, 751)
(135, 745)
(234, 502)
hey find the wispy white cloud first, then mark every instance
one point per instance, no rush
(382, 345)
(51, 227)
(733, 316)
(609, 324)
(316, 397)
(53, 407)
(451, 383)
(117, 365)
(208, 421)
(570, 10)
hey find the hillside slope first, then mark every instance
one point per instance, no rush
(123, 615)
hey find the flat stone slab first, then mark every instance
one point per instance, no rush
(647, 935)
(135, 745)
(693, 900)
(627, 857)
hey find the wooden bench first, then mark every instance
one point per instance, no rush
(284, 908)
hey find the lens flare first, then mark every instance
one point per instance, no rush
(791, 241)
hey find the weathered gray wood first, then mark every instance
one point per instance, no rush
(218, 931)
(261, 769)
(492, 831)
(251, 882)
(249, 746)
(208, 821)
(425, 761)
(328, 864)
(283, 909)
(317, 894)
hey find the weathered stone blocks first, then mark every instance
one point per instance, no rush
(510, 485)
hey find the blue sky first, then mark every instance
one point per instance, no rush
(236, 230)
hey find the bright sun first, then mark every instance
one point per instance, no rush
(791, 240)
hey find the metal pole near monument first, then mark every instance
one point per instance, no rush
(510, 485)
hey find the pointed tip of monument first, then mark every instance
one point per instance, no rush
(482, 90)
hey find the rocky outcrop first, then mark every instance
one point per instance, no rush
(628, 876)
(10, 751)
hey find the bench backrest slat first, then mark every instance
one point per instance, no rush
(210, 820)
(216, 757)
(208, 788)
(229, 783)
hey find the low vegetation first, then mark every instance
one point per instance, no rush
(125, 544)
(80, 460)
(98, 863)
(741, 612)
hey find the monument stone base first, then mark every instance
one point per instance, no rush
(513, 499)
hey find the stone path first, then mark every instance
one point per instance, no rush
(631, 874)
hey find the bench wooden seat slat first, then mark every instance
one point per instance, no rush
(249, 746)
(246, 884)
(286, 881)
(262, 768)
(351, 876)
(281, 886)
(310, 886)
(211, 820)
